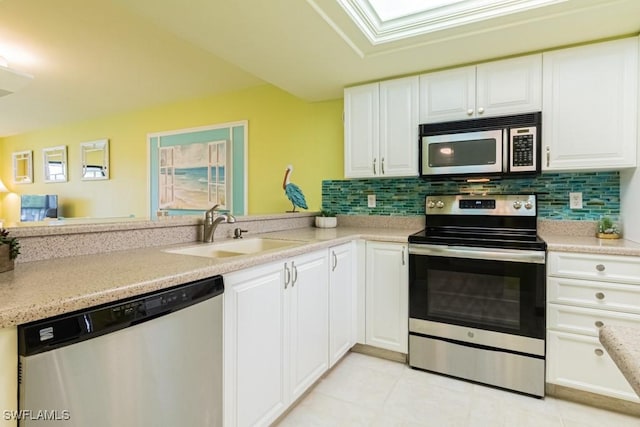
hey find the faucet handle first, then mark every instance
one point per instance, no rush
(210, 213)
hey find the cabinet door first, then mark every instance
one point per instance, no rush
(387, 299)
(399, 127)
(511, 86)
(361, 131)
(580, 362)
(9, 372)
(448, 95)
(308, 299)
(254, 360)
(590, 106)
(342, 302)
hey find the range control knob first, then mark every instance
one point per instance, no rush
(528, 205)
(431, 204)
(439, 204)
(517, 204)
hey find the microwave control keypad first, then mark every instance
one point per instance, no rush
(522, 154)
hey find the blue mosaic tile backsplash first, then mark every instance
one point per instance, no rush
(405, 196)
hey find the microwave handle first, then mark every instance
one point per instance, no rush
(506, 147)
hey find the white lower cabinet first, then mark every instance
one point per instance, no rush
(579, 361)
(387, 296)
(585, 292)
(276, 337)
(9, 373)
(342, 301)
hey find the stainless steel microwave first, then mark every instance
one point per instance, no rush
(507, 146)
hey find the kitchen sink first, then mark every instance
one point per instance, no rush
(235, 247)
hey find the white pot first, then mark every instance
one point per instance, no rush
(326, 221)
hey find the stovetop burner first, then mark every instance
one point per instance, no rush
(490, 221)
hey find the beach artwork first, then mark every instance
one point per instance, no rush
(193, 176)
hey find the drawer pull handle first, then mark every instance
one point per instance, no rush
(598, 352)
(600, 267)
(599, 295)
(599, 324)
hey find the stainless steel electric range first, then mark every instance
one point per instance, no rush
(477, 291)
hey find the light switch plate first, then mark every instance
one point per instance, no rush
(371, 200)
(575, 200)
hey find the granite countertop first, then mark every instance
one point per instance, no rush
(40, 289)
(623, 345)
(580, 236)
(592, 245)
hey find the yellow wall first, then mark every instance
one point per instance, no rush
(282, 130)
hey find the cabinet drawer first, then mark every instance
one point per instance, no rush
(580, 362)
(610, 268)
(586, 321)
(602, 295)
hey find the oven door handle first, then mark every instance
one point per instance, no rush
(490, 254)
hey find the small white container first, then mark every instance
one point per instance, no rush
(326, 221)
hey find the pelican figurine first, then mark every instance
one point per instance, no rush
(293, 192)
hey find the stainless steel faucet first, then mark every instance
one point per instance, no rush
(211, 221)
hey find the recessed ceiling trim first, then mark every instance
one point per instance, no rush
(335, 28)
(431, 19)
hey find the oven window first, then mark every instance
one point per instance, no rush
(475, 298)
(463, 153)
(492, 295)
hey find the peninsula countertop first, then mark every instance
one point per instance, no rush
(40, 289)
(623, 345)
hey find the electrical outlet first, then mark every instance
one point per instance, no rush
(371, 200)
(575, 200)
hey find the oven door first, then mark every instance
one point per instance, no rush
(498, 290)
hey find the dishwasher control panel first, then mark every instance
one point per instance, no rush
(59, 331)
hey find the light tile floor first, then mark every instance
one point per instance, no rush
(366, 391)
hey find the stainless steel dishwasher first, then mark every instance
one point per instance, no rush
(151, 360)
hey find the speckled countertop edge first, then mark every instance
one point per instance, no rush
(579, 236)
(623, 345)
(41, 289)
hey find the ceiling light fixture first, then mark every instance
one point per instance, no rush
(11, 80)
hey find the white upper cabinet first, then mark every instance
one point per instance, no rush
(361, 130)
(590, 109)
(381, 129)
(510, 86)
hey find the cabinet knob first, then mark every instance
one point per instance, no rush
(599, 324)
(600, 267)
(598, 352)
(469, 112)
(480, 110)
(471, 334)
(599, 295)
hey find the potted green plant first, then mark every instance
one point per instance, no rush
(9, 250)
(326, 219)
(608, 228)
